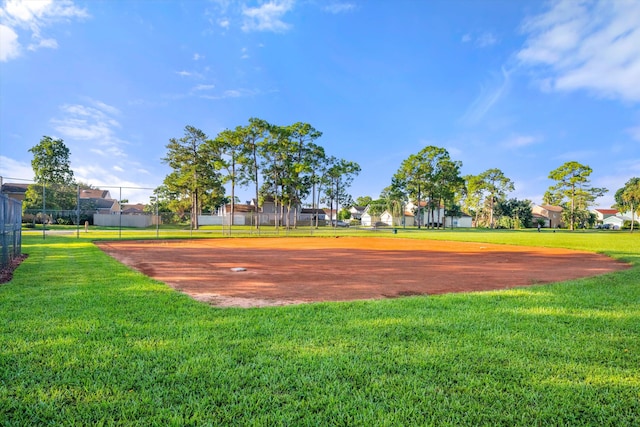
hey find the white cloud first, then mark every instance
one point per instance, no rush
(197, 56)
(336, 8)
(9, 45)
(267, 17)
(31, 17)
(185, 73)
(486, 39)
(94, 124)
(204, 87)
(518, 141)
(593, 46)
(44, 43)
(10, 168)
(224, 23)
(487, 99)
(233, 93)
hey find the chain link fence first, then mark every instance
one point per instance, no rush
(138, 209)
(11, 232)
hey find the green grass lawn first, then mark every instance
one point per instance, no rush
(86, 341)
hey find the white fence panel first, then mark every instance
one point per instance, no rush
(136, 221)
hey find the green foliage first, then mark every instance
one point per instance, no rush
(377, 207)
(363, 200)
(628, 198)
(573, 185)
(493, 186)
(87, 341)
(55, 188)
(430, 175)
(193, 180)
(340, 175)
(344, 214)
(514, 213)
(51, 163)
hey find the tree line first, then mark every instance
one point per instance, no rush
(287, 165)
(282, 163)
(432, 181)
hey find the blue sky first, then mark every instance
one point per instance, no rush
(522, 86)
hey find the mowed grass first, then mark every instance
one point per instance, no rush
(87, 341)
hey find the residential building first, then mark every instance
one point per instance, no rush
(552, 215)
(15, 191)
(602, 214)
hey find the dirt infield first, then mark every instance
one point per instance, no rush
(250, 272)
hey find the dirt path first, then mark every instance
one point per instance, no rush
(277, 271)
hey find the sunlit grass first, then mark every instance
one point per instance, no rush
(87, 341)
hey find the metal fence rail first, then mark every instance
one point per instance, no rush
(10, 229)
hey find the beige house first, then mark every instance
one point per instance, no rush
(15, 191)
(552, 215)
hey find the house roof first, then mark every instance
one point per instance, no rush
(104, 203)
(312, 211)
(240, 208)
(607, 211)
(552, 208)
(11, 187)
(133, 208)
(94, 193)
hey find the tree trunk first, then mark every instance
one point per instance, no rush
(233, 190)
(419, 195)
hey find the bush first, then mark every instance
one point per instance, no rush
(627, 225)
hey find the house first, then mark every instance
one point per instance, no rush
(552, 215)
(15, 191)
(309, 214)
(616, 222)
(103, 206)
(367, 219)
(386, 218)
(243, 214)
(405, 220)
(356, 212)
(462, 221)
(133, 209)
(238, 209)
(95, 193)
(428, 215)
(99, 205)
(330, 214)
(602, 214)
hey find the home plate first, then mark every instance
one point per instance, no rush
(237, 269)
